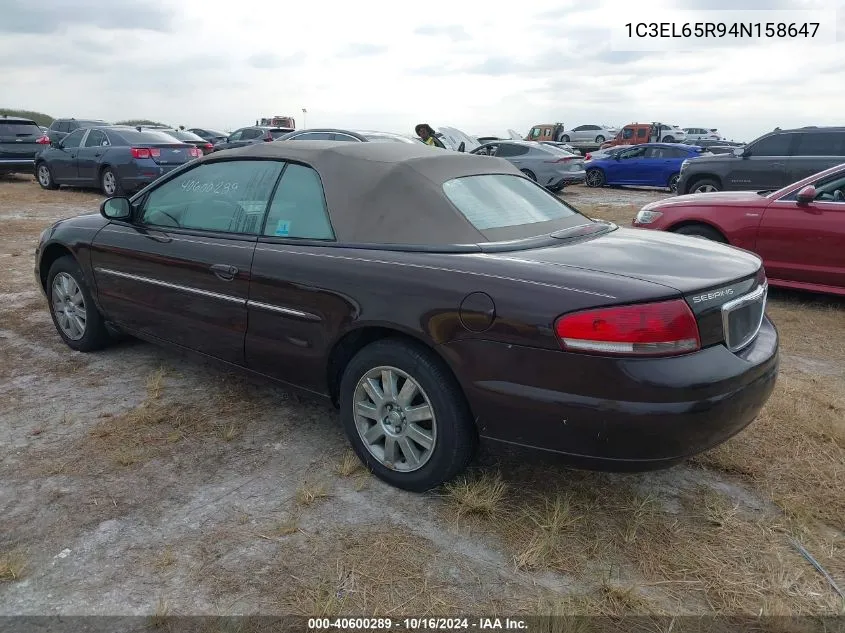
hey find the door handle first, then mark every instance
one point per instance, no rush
(224, 271)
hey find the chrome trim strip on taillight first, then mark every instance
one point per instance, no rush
(740, 302)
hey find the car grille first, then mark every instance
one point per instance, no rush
(743, 316)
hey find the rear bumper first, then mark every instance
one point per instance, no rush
(133, 178)
(615, 414)
(569, 178)
(17, 165)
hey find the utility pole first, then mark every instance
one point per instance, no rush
(304, 112)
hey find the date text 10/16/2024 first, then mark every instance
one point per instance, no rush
(417, 624)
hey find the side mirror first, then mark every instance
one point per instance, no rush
(54, 142)
(740, 151)
(806, 195)
(117, 208)
(462, 147)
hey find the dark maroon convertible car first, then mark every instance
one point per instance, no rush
(437, 298)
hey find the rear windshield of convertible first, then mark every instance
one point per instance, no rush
(501, 201)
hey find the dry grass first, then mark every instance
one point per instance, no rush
(349, 465)
(476, 495)
(311, 492)
(795, 451)
(809, 325)
(383, 570)
(158, 427)
(13, 565)
(166, 558)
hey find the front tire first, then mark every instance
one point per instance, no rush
(109, 183)
(529, 173)
(600, 139)
(44, 176)
(405, 415)
(565, 138)
(669, 139)
(72, 308)
(595, 178)
(702, 231)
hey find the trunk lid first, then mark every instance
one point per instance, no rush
(171, 154)
(678, 262)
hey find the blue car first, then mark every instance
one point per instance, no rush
(646, 165)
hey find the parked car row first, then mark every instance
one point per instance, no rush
(770, 162)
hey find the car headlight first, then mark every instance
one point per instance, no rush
(646, 216)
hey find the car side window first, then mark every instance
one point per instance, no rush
(236, 135)
(96, 138)
(774, 145)
(507, 149)
(228, 197)
(642, 133)
(655, 152)
(250, 133)
(73, 139)
(299, 206)
(820, 144)
(581, 128)
(317, 136)
(634, 153)
(628, 133)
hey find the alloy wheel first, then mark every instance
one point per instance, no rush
(69, 306)
(594, 178)
(109, 183)
(673, 183)
(705, 189)
(395, 419)
(44, 175)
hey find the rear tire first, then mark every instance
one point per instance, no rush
(449, 430)
(72, 308)
(565, 138)
(109, 183)
(702, 231)
(600, 139)
(669, 139)
(595, 178)
(529, 173)
(44, 176)
(673, 183)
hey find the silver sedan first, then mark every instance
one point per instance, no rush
(547, 165)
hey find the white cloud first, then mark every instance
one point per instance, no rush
(379, 65)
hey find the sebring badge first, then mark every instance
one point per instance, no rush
(724, 292)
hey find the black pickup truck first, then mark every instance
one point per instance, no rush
(20, 141)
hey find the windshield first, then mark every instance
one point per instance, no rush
(184, 135)
(280, 132)
(145, 137)
(501, 201)
(18, 128)
(386, 138)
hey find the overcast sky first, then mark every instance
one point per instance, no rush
(479, 66)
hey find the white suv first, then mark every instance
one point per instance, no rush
(702, 134)
(671, 134)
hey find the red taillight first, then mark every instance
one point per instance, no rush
(43, 140)
(209, 146)
(269, 137)
(588, 156)
(565, 159)
(145, 152)
(666, 328)
(195, 152)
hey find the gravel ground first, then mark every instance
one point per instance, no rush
(138, 482)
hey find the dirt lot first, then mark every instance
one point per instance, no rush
(136, 482)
